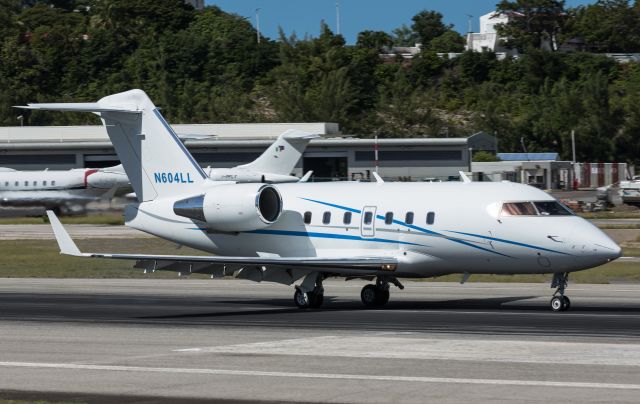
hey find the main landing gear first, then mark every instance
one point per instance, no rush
(560, 302)
(310, 293)
(378, 294)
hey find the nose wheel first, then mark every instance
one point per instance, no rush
(560, 302)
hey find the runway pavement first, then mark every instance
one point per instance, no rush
(161, 340)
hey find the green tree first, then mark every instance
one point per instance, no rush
(428, 25)
(532, 23)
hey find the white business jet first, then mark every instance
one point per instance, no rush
(65, 191)
(310, 231)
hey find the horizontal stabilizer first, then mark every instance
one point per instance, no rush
(298, 134)
(80, 107)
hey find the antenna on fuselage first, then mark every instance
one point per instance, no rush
(463, 177)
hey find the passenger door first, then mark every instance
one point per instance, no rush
(368, 221)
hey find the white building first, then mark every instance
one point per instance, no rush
(487, 39)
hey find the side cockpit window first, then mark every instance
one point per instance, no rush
(543, 208)
(518, 209)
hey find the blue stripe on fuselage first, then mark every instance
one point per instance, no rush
(509, 242)
(330, 235)
(333, 205)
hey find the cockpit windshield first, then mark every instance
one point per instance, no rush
(541, 208)
(552, 208)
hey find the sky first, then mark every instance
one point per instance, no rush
(304, 16)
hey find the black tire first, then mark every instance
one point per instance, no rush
(557, 303)
(383, 297)
(567, 303)
(369, 295)
(315, 299)
(301, 299)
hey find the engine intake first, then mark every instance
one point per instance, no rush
(233, 207)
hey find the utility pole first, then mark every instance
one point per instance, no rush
(258, 24)
(573, 145)
(337, 17)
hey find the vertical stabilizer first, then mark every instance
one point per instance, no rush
(155, 160)
(283, 155)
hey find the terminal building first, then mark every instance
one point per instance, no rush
(335, 156)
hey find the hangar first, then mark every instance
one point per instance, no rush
(335, 156)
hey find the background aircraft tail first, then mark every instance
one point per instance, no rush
(283, 155)
(155, 160)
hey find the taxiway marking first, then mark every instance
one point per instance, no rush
(385, 378)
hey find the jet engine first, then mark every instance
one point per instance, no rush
(233, 207)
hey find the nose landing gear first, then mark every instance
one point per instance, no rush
(560, 302)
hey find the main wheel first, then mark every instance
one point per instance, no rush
(557, 303)
(567, 303)
(369, 295)
(301, 299)
(383, 297)
(315, 299)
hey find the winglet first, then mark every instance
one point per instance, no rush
(66, 244)
(306, 176)
(463, 177)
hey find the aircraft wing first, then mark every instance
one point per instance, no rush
(214, 264)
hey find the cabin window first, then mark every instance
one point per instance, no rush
(53, 183)
(368, 217)
(307, 217)
(346, 219)
(35, 183)
(552, 208)
(6, 183)
(26, 183)
(518, 209)
(388, 218)
(17, 183)
(326, 217)
(408, 219)
(431, 217)
(44, 183)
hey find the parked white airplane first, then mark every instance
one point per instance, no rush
(311, 231)
(65, 191)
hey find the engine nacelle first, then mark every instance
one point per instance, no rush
(233, 207)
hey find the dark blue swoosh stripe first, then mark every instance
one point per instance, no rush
(330, 235)
(509, 242)
(421, 229)
(333, 205)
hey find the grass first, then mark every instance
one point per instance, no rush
(619, 226)
(610, 215)
(41, 259)
(105, 218)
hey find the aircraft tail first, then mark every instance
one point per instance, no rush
(283, 155)
(155, 160)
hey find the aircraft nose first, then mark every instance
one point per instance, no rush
(608, 248)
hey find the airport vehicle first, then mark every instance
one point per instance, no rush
(630, 191)
(310, 231)
(64, 191)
